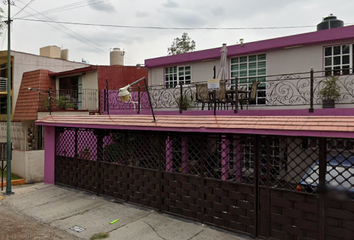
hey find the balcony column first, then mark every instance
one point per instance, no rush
(169, 155)
(185, 155)
(225, 158)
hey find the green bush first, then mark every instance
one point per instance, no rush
(331, 89)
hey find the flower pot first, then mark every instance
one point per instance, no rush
(70, 109)
(329, 103)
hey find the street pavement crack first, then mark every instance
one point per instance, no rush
(155, 231)
(195, 235)
(79, 213)
(129, 223)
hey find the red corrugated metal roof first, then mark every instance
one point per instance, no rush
(229, 124)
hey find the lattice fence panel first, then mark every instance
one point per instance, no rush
(230, 205)
(142, 186)
(292, 215)
(339, 220)
(182, 195)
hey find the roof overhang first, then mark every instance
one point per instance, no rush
(74, 71)
(313, 126)
(323, 36)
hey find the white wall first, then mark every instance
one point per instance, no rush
(24, 62)
(280, 61)
(294, 60)
(90, 80)
(201, 71)
(29, 165)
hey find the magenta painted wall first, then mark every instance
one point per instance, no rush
(262, 112)
(49, 155)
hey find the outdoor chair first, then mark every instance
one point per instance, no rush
(221, 97)
(250, 96)
(202, 95)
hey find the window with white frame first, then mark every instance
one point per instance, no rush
(338, 60)
(175, 75)
(249, 69)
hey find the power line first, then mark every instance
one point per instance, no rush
(165, 28)
(71, 6)
(23, 8)
(99, 48)
(85, 41)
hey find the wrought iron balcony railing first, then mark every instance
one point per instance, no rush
(298, 90)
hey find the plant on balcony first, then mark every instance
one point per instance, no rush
(61, 102)
(47, 104)
(186, 102)
(70, 106)
(330, 92)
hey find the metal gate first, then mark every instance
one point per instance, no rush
(265, 186)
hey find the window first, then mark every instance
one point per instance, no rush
(338, 60)
(3, 107)
(249, 69)
(175, 75)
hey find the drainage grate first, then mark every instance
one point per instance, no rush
(77, 229)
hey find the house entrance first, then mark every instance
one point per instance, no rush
(275, 187)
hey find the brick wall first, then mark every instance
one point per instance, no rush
(28, 101)
(119, 76)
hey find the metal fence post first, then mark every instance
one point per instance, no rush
(214, 102)
(161, 153)
(107, 97)
(236, 97)
(139, 99)
(76, 153)
(202, 176)
(99, 156)
(125, 167)
(322, 186)
(257, 159)
(50, 100)
(180, 97)
(311, 91)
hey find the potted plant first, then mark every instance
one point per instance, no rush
(61, 102)
(70, 106)
(47, 104)
(330, 92)
(186, 102)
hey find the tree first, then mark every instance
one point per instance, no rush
(181, 45)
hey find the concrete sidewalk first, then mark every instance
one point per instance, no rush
(64, 208)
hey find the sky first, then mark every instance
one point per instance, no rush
(93, 43)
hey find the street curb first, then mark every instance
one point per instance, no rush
(16, 182)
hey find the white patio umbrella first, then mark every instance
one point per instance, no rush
(222, 74)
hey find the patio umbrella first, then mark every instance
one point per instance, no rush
(222, 74)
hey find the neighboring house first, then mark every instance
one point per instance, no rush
(72, 85)
(330, 51)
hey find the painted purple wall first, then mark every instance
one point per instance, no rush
(330, 35)
(49, 155)
(263, 112)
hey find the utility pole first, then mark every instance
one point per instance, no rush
(8, 107)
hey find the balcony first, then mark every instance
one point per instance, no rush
(296, 91)
(66, 100)
(3, 84)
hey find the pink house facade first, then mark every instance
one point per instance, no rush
(282, 66)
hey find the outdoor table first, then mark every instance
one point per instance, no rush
(232, 92)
